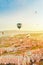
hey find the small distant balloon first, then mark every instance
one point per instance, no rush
(35, 12)
(19, 25)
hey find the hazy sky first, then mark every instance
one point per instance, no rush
(27, 12)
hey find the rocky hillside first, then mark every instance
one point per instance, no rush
(29, 46)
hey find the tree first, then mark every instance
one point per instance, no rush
(19, 25)
(8, 64)
(2, 33)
